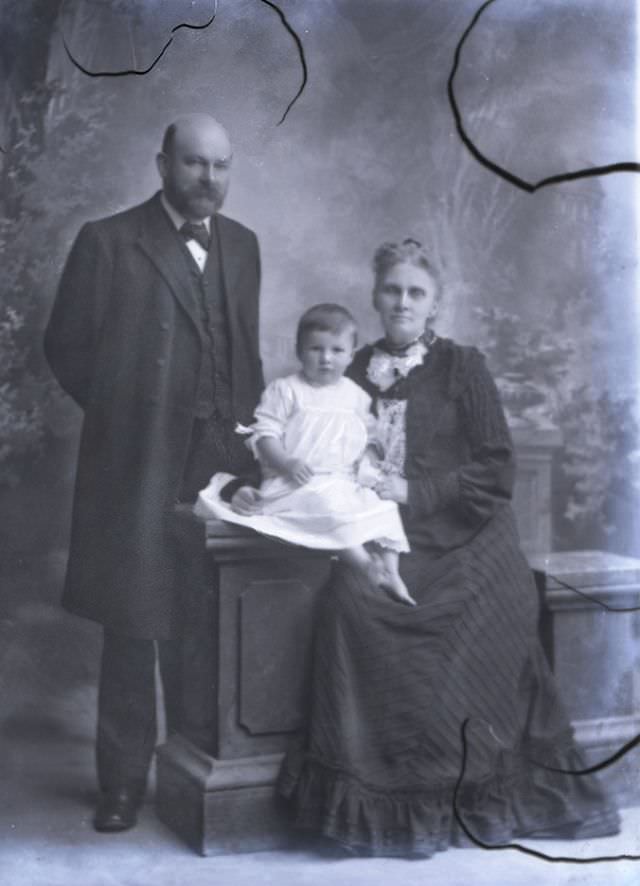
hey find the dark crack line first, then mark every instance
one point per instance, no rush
(300, 48)
(595, 600)
(517, 846)
(597, 767)
(500, 171)
(138, 72)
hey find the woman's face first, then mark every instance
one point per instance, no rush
(405, 298)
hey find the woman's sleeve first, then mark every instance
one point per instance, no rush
(479, 487)
(272, 413)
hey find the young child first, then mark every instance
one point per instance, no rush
(310, 434)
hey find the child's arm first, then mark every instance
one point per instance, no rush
(267, 442)
(272, 453)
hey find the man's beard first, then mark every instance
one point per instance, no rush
(212, 197)
(199, 203)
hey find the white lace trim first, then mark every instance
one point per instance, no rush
(385, 369)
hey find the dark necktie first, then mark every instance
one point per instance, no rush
(196, 231)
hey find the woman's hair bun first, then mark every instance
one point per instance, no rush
(410, 251)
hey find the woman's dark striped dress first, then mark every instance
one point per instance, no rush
(392, 686)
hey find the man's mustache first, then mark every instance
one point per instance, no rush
(208, 191)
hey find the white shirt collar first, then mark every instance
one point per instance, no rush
(177, 219)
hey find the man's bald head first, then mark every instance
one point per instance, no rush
(194, 165)
(190, 122)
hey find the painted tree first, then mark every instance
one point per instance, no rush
(47, 167)
(26, 29)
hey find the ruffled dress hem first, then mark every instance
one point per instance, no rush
(521, 801)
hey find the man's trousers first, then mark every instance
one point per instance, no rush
(127, 717)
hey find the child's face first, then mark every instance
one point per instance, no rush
(325, 355)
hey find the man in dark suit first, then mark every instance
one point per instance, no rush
(154, 333)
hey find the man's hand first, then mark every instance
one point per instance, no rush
(246, 501)
(394, 488)
(299, 471)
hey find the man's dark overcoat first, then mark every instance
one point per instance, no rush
(123, 340)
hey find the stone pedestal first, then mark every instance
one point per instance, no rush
(535, 449)
(248, 616)
(595, 652)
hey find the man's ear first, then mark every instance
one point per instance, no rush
(162, 163)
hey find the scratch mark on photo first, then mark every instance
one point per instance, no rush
(300, 48)
(518, 847)
(139, 71)
(597, 767)
(595, 600)
(492, 166)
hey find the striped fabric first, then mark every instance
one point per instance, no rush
(392, 685)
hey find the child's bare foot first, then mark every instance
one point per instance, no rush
(396, 587)
(379, 576)
(377, 561)
(375, 572)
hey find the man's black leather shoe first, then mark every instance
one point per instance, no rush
(117, 810)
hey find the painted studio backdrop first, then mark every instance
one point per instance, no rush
(543, 282)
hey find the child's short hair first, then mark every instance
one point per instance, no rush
(325, 318)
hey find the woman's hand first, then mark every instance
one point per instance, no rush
(298, 471)
(246, 501)
(374, 450)
(393, 487)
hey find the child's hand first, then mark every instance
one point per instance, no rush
(394, 488)
(298, 471)
(246, 501)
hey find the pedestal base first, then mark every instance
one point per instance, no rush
(591, 633)
(221, 806)
(601, 739)
(248, 609)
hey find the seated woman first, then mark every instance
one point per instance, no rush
(392, 685)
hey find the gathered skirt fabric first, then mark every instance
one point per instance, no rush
(392, 686)
(330, 512)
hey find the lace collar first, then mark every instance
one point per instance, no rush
(388, 365)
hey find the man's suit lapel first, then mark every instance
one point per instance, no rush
(163, 248)
(230, 264)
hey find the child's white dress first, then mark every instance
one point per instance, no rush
(326, 427)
